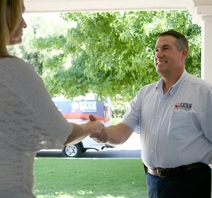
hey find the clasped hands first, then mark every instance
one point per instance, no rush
(99, 133)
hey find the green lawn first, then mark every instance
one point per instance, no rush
(89, 178)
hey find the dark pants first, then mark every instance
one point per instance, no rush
(194, 183)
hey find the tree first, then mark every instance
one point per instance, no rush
(111, 53)
(38, 26)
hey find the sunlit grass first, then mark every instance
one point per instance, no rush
(89, 178)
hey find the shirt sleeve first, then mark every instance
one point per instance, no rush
(29, 119)
(132, 115)
(205, 115)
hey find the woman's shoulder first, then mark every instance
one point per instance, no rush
(15, 63)
(16, 60)
(13, 69)
(12, 60)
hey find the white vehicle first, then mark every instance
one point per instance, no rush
(78, 111)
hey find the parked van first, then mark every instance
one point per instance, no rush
(78, 111)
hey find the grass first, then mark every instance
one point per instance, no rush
(89, 178)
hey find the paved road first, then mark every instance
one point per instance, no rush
(108, 153)
(130, 149)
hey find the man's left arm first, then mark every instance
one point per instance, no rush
(205, 117)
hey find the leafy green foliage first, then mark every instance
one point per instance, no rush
(110, 53)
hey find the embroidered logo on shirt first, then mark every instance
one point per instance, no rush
(183, 105)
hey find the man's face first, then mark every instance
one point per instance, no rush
(167, 57)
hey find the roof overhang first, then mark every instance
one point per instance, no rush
(104, 5)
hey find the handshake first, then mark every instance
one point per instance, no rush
(113, 135)
(93, 128)
(98, 131)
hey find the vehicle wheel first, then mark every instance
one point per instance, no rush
(72, 151)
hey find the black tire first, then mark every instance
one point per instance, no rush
(72, 150)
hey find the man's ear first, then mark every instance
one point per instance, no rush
(184, 54)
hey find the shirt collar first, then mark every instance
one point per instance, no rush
(173, 88)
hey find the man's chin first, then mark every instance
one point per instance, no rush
(159, 71)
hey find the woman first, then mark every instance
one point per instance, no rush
(29, 120)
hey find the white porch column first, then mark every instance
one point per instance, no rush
(203, 17)
(206, 57)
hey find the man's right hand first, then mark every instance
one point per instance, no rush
(98, 136)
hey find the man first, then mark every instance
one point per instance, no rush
(174, 118)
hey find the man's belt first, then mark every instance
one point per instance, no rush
(167, 172)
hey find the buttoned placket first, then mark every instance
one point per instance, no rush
(156, 131)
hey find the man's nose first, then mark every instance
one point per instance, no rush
(159, 54)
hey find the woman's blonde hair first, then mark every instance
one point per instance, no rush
(10, 19)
